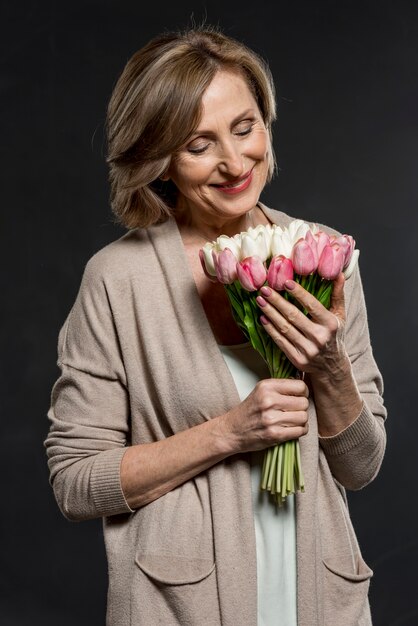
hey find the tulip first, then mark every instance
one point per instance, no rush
(331, 262)
(225, 263)
(233, 243)
(322, 239)
(205, 255)
(350, 267)
(284, 239)
(311, 240)
(297, 229)
(304, 258)
(348, 244)
(256, 242)
(251, 273)
(280, 270)
(280, 242)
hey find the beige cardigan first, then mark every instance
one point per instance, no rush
(139, 362)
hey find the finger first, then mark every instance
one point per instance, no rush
(313, 307)
(287, 318)
(285, 419)
(283, 433)
(298, 357)
(318, 313)
(338, 298)
(293, 328)
(284, 386)
(291, 403)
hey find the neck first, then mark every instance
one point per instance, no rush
(208, 229)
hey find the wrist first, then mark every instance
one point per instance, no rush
(338, 371)
(227, 441)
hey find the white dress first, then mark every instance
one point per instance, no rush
(275, 527)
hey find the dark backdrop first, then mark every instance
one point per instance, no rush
(346, 140)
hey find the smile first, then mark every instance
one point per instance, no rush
(236, 187)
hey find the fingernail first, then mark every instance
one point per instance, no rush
(266, 291)
(261, 301)
(290, 284)
(263, 319)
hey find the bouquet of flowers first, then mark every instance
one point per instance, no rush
(272, 255)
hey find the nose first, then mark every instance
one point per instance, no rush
(231, 161)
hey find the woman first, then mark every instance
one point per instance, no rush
(161, 411)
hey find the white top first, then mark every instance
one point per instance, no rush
(275, 528)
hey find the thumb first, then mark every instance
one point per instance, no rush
(337, 298)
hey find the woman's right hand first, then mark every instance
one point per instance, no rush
(275, 411)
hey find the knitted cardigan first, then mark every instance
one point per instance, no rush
(139, 362)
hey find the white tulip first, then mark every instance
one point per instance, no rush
(257, 242)
(283, 239)
(233, 243)
(280, 243)
(297, 229)
(207, 255)
(350, 267)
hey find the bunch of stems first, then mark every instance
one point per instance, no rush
(281, 473)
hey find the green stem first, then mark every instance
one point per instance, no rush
(281, 472)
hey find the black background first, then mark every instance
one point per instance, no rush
(346, 139)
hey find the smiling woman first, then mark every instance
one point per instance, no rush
(156, 107)
(162, 409)
(221, 172)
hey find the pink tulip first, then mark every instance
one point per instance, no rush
(225, 263)
(251, 273)
(280, 270)
(331, 261)
(304, 258)
(348, 244)
(311, 240)
(322, 239)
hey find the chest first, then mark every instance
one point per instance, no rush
(215, 302)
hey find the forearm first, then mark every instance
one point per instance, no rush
(148, 471)
(275, 411)
(337, 399)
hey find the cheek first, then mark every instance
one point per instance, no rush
(189, 175)
(260, 146)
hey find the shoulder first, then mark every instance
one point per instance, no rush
(117, 257)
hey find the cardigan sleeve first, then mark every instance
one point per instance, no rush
(89, 410)
(355, 454)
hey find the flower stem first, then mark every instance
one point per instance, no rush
(281, 473)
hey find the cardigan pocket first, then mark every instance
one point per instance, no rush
(346, 594)
(174, 578)
(364, 573)
(175, 590)
(174, 569)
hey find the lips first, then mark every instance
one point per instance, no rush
(236, 186)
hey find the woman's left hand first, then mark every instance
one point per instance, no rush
(313, 344)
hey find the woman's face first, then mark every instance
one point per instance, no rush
(222, 169)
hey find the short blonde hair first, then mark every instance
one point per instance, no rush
(156, 106)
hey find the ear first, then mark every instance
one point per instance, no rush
(166, 175)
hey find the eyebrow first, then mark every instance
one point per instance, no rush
(238, 118)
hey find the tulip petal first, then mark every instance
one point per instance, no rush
(353, 262)
(251, 273)
(280, 270)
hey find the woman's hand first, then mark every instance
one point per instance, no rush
(313, 344)
(275, 411)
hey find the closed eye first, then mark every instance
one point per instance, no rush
(247, 131)
(241, 130)
(199, 149)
